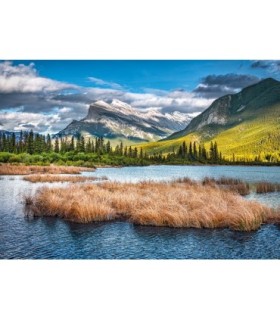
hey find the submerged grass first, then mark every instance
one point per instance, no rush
(8, 169)
(173, 204)
(60, 178)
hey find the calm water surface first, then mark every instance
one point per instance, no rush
(51, 238)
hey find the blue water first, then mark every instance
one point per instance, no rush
(22, 237)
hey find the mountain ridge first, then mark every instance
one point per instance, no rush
(222, 110)
(119, 120)
(245, 124)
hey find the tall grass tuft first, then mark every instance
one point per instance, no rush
(235, 185)
(173, 204)
(266, 187)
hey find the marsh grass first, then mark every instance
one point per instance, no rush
(34, 178)
(171, 204)
(235, 185)
(266, 187)
(8, 169)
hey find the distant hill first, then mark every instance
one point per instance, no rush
(246, 124)
(117, 121)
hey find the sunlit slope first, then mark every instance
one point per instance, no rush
(259, 135)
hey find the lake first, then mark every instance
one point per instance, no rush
(23, 237)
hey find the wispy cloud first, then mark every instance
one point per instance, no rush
(103, 83)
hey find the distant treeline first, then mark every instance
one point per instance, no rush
(28, 147)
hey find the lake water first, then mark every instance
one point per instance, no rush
(22, 237)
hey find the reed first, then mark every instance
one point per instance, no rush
(34, 178)
(173, 204)
(8, 169)
(266, 187)
(235, 185)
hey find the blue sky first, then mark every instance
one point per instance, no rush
(47, 95)
(137, 75)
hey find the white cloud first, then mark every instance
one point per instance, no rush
(100, 82)
(25, 79)
(42, 104)
(183, 101)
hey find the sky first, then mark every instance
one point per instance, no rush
(46, 95)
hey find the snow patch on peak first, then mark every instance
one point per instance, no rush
(120, 104)
(101, 103)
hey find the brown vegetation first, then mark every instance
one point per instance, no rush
(173, 204)
(265, 187)
(235, 185)
(59, 178)
(8, 169)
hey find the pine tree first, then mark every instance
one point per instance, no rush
(195, 150)
(30, 142)
(135, 153)
(190, 151)
(125, 151)
(184, 147)
(48, 143)
(121, 148)
(56, 145)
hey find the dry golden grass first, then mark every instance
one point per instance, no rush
(173, 204)
(8, 169)
(59, 178)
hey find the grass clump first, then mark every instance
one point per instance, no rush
(266, 187)
(59, 178)
(235, 185)
(172, 204)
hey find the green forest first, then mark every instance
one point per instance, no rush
(34, 148)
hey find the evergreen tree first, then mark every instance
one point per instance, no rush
(135, 153)
(56, 145)
(30, 142)
(190, 151)
(48, 143)
(195, 150)
(82, 144)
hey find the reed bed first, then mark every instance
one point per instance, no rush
(34, 178)
(266, 187)
(171, 204)
(8, 169)
(235, 185)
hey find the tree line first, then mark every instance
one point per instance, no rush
(38, 144)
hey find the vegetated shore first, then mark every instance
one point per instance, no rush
(60, 178)
(180, 203)
(21, 169)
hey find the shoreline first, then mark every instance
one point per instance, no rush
(25, 169)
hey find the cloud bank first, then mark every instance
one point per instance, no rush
(214, 86)
(272, 66)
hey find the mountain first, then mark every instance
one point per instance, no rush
(232, 109)
(246, 123)
(120, 121)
